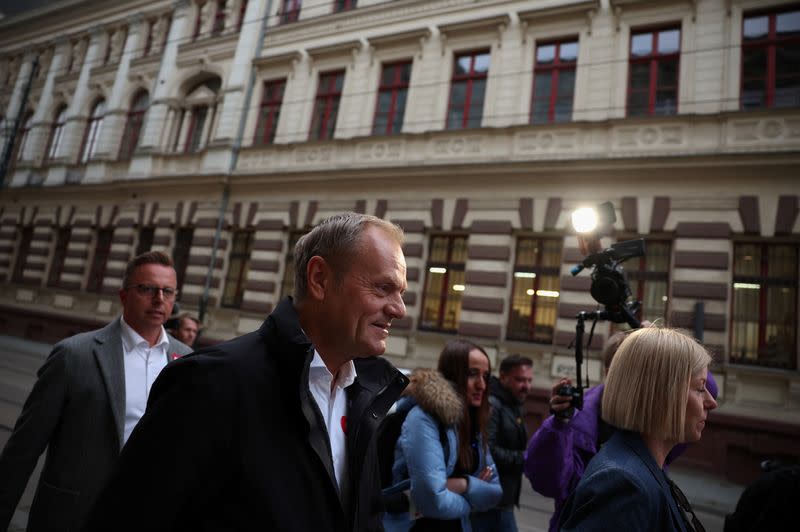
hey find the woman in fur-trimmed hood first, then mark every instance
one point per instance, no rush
(450, 405)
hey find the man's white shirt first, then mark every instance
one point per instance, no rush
(332, 403)
(142, 365)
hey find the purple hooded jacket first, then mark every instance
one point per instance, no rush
(559, 452)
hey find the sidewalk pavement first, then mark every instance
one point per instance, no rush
(712, 497)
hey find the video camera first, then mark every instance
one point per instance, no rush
(609, 287)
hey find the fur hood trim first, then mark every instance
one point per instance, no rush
(436, 396)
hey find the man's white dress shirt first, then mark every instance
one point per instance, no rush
(332, 403)
(142, 365)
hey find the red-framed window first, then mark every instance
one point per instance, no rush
(93, 125)
(344, 5)
(219, 18)
(180, 253)
(59, 254)
(242, 13)
(653, 72)
(290, 11)
(392, 95)
(287, 284)
(468, 90)
(22, 138)
(648, 278)
(56, 133)
(107, 55)
(535, 290)
(98, 269)
(24, 247)
(146, 237)
(444, 283)
(238, 266)
(554, 81)
(133, 125)
(270, 112)
(148, 42)
(771, 59)
(197, 123)
(326, 105)
(764, 306)
(198, 21)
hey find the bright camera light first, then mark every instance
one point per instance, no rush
(459, 287)
(434, 269)
(584, 220)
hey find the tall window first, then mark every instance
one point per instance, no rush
(56, 132)
(771, 60)
(326, 106)
(290, 10)
(22, 138)
(444, 283)
(93, 126)
(146, 237)
(270, 112)
(148, 43)
(764, 315)
(242, 13)
(238, 266)
(202, 103)
(198, 20)
(180, 252)
(59, 254)
(653, 75)
(99, 261)
(467, 90)
(287, 285)
(554, 82)
(648, 278)
(133, 126)
(219, 18)
(392, 94)
(26, 235)
(535, 290)
(343, 5)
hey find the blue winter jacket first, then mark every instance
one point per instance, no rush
(419, 458)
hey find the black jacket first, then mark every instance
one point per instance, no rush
(507, 441)
(232, 440)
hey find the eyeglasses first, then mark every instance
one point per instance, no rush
(685, 506)
(150, 290)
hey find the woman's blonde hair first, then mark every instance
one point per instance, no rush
(648, 382)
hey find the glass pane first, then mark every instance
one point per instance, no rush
(563, 110)
(787, 72)
(379, 127)
(667, 73)
(458, 93)
(787, 24)
(384, 102)
(527, 252)
(780, 328)
(452, 307)
(433, 293)
(642, 44)
(463, 65)
(640, 75)
(666, 102)
(405, 73)
(654, 300)
(331, 123)
(545, 54)
(754, 62)
(482, 63)
(568, 52)
(542, 82)
(338, 82)
(746, 260)
(669, 41)
(439, 247)
(458, 255)
(551, 253)
(657, 257)
(455, 118)
(399, 111)
(754, 94)
(638, 103)
(782, 262)
(756, 27)
(387, 76)
(521, 304)
(744, 340)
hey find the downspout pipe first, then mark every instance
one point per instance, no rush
(237, 146)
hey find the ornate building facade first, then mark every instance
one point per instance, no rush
(222, 130)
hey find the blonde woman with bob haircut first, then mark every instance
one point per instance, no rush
(656, 396)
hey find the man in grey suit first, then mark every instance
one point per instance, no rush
(89, 395)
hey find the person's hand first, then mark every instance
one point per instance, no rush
(457, 485)
(559, 403)
(486, 474)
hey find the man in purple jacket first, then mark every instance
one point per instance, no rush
(560, 450)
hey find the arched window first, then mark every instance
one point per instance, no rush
(93, 126)
(56, 132)
(133, 126)
(199, 117)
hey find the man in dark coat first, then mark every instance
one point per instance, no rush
(507, 436)
(240, 436)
